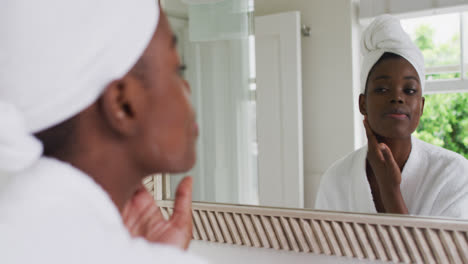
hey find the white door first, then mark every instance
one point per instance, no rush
(279, 110)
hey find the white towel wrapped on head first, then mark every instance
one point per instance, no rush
(385, 34)
(56, 58)
(18, 149)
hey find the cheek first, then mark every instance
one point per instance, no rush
(177, 153)
(170, 138)
(417, 114)
(375, 125)
(373, 115)
(416, 106)
(166, 146)
(169, 131)
(173, 139)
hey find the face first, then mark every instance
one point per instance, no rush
(393, 102)
(169, 131)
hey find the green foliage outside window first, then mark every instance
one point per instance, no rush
(445, 119)
(440, 54)
(444, 122)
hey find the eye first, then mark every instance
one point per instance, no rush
(410, 90)
(181, 69)
(380, 89)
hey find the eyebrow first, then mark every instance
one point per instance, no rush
(385, 77)
(411, 77)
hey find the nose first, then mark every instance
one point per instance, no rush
(396, 97)
(395, 101)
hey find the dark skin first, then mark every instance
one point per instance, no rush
(392, 107)
(142, 124)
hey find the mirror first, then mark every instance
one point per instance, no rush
(216, 44)
(222, 43)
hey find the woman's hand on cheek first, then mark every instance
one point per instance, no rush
(381, 160)
(387, 173)
(143, 218)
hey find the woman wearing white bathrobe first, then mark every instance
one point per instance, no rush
(394, 172)
(91, 101)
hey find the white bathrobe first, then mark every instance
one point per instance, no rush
(434, 183)
(54, 213)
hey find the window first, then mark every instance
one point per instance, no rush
(443, 40)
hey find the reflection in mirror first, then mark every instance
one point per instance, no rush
(395, 172)
(229, 164)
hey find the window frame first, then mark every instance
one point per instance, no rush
(450, 85)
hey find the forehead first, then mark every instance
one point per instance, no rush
(162, 39)
(393, 67)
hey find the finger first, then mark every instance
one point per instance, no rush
(373, 145)
(142, 204)
(390, 162)
(182, 215)
(379, 154)
(149, 219)
(128, 208)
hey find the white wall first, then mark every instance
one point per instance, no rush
(328, 98)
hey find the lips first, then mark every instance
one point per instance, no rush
(397, 113)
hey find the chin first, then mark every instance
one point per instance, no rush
(395, 134)
(393, 131)
(182, 165)
(188, 165)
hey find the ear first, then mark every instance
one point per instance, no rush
(120, 103)
(362, 104)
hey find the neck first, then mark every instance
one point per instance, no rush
(119, 182)
(103, 156)
(107, 163)
(113, 175)
(400, 147)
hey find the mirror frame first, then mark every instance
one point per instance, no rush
(387, 237)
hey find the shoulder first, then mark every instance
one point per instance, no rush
(346, 163)
(446, 180)
(438, 156)
(441, 167)
(52, 196)
(335, 181)
(337, 174)
(54, 211)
